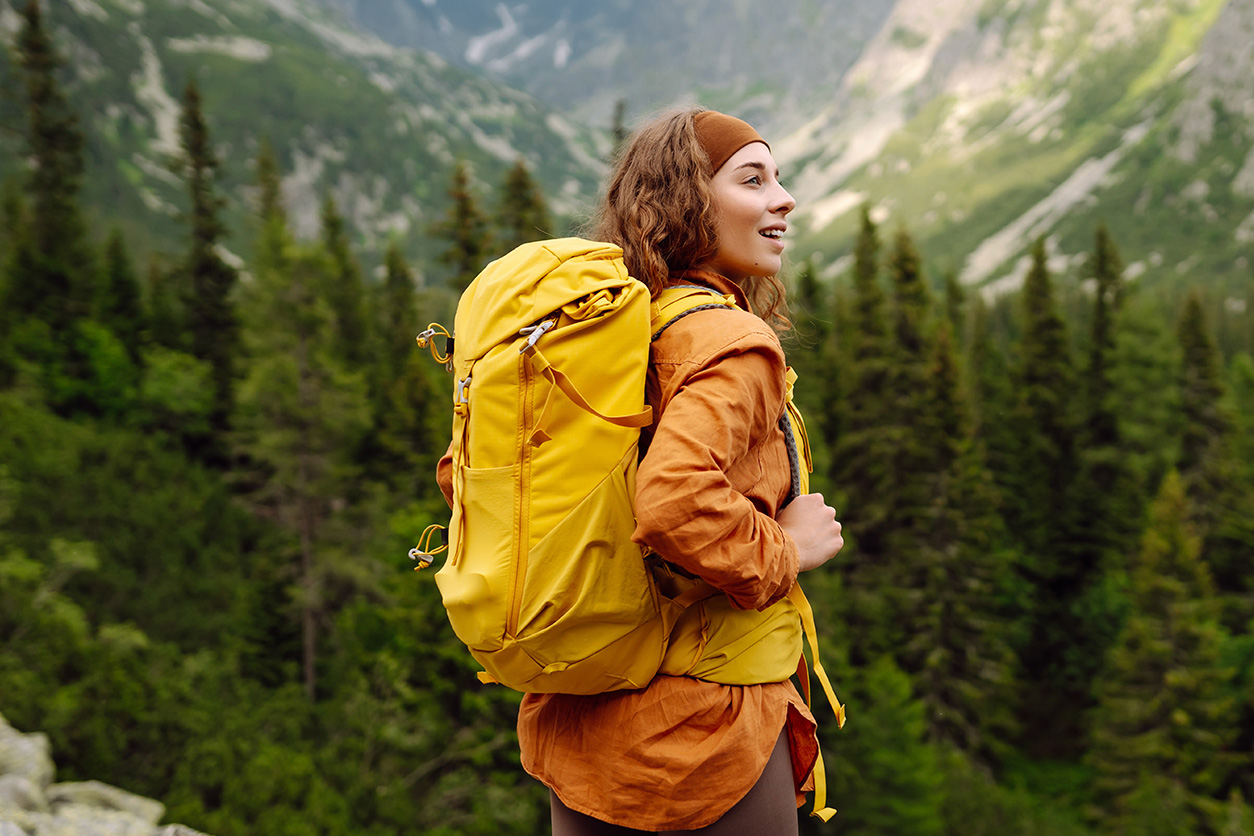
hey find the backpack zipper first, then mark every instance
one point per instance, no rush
(523, 508)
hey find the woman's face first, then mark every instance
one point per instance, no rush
(750, 207)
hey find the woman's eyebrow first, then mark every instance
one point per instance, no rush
(759, 166)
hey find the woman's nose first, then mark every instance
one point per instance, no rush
(784, 202)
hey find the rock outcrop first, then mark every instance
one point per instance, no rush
(33, 804)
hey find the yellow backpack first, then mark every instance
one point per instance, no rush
(542, 581)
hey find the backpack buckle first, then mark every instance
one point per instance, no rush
(533, 333)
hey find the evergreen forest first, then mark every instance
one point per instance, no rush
(1042, 621)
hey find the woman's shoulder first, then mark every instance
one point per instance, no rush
(707, 335)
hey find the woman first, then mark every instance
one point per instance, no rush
(696, 199)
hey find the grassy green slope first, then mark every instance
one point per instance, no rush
(378, 127)
(953, 197)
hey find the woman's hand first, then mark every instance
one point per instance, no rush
(812, 525)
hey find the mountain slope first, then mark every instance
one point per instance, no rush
(375, 125)
(1005, 120)
(583, 57)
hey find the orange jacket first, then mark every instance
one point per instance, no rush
(716, 471)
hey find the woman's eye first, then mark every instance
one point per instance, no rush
(755, 180)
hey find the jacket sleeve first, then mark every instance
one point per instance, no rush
(444, 475)
(715, 414)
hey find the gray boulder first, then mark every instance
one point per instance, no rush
(27, 755)
(104, 797)
(20, 793)
(75, 820)
(31, 805)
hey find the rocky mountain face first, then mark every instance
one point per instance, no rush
(32, 803)
(984, 124)
(583, 57)
(376, 126)
(978, 124)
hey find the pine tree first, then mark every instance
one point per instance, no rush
(955, 637)
(347, 292)
(399, 314)
(908, 386)
(1163, 722)
(12, 223)
(210, 315)
(992, 395)
(809, 348)
(1206, 425)
(1105, 507)
(300, 412)
(119, 303)
(410, 432)
(465, 229)
(810, 351)
(523, 215)
(915, 457)
(54, 283)
(863, 460)
(1044, 380)
(1105, 494)
(955, 306)
(408, 415)
(165, 307)
(1042, 468)
(273, 241)
(1222, 500)
(618, 129)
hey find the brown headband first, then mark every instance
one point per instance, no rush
(721, 135)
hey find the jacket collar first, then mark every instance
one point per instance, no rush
(714, 281)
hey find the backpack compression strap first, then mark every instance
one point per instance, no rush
(554, 376)
(672, 304)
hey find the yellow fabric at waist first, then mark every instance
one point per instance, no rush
(716, 642)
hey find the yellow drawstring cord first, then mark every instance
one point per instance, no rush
(426, 340)
(423, 552)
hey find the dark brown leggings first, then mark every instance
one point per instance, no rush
(770, 807)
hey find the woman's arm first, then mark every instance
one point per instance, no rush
(714, 418)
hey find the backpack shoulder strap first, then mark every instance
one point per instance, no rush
(677, 301)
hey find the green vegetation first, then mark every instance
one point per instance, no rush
(364, 125)
(1058, 653)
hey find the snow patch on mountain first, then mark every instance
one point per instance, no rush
(10, 21)
(1245, 232)
(1091, 175)
(1243, 183)
(494, 145)
(477, 48)
(302, 188)
(89, 8)
(566, 131)
(149, 86)
(348, 42)
(237, 47)
(520, 53)
(860, 141)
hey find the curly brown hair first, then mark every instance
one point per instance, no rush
(659, 208)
